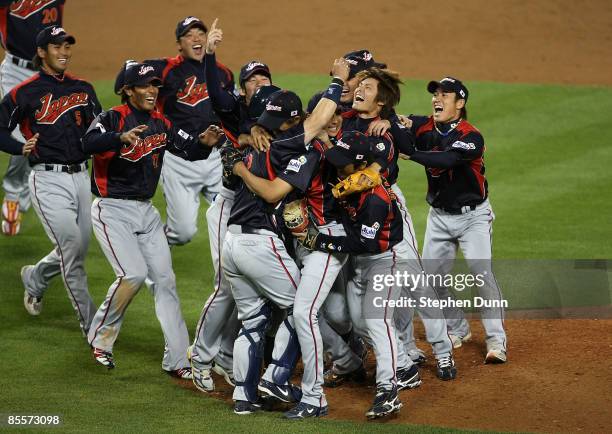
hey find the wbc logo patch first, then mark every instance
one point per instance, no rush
(26, 8)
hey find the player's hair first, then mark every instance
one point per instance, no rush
(388, 88)
(37, 60)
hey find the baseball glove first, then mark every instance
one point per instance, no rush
(358, 181)
(229, 157)
(295, 215)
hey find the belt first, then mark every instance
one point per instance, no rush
(136, 198)
(22, 62)
(245, 229)
(462, 210)
(65, 168)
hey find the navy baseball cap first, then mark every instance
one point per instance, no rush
(260, 99)
(360, 60)
(188, 23)
(120, 80)
(141, 74)
(53, 35)
(352, 148)
(281, 107)
(253, 67)
(449, 84)
(314, 100)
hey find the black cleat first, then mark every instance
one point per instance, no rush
(385, 403)
(285, 393)
(303, 410)
(333, 379)
(246, 407)
(408, 378)
(446, 368)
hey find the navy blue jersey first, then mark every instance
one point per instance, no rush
(382, 147)
(184, 96)
(465, 183)
(131, 171)
(22, 20)
(59, 108)
(289, 159)
(372, 222)
(321, 202)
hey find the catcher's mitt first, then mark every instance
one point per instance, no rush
(358, 181)
(295, 215)
(229, 157)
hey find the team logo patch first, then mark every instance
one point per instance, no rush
(100, 127)
(142, 147)
(51, 110)
(193, 93)
(189, 20)
(145, 69)
(296, 164)
(342, 144)
(369, 231)
(380, 146)
(273, 108)
(26, 8)
(252, 65)
(462, 145)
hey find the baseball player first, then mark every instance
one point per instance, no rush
(358, 60)
(376, 95)
(452, 151)
(255, 259)
(129, 143)
(53, 109)
(20, 23)
(218, 324)
(185, 101)
(373, 226)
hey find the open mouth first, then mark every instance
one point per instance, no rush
(197, 48)
(150, 99)
(62, 60)
(359, 98)
(438, 108)
(345, 90)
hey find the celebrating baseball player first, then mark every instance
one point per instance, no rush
(218, 325)
(452, 151)
(21, 22)
(184, 100)
(129, 143)
(53, 110)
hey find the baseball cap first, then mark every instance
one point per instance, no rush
(449, 84)
(281, 107)
(53, 35)
(141, 74)
(186, 24)
(260, 98)
(120, 80)
(352, 148)
(253, 67)
(360, 60)
(314, 100)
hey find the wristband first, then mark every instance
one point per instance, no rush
(334, 91)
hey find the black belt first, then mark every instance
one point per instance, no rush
(250, 230)
(66, 168)
(23, 63)
(461, 210)
(137, 198)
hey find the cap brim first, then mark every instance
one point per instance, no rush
(337, 158)
(155, 81)
(197, 24)
(61, 39)
(433, 85)
(259, 70)
(270, 122)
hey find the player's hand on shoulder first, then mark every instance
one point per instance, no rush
(261, 138)
(214, 37)
(30, 145)
(212, 136)
(405, 121)
(379, 127)
(130, 137)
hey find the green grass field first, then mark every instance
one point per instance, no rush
(547, 160)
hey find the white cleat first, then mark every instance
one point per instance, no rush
(226, 374)
(458, 340)
(496, 355)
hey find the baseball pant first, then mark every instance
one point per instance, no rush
(62, 202)
(131, 235)
(472, 232)
(218, 325)
(433, 320)
(15, 182)
(260, 271)
(183, 181)
(319, 272)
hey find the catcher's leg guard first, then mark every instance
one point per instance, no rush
(285, 354)
(248, 355)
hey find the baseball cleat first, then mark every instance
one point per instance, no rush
(32, 304)
(201, 378)
(11, 217)
(458, 340)
(408, 378)
(285, 393)
(303, 410)
(246, 407)
(225, 373)
(446, 368)
(385, 403)
(417, 356)
(496, 355)
(334, 379)
(105, 358)
(181, 373)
